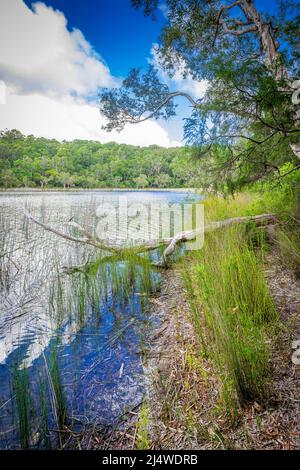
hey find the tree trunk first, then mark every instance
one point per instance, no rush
(269, 44)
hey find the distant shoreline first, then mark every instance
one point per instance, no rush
(70, 190)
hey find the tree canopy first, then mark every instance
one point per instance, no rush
(246, 127)
(39, 162)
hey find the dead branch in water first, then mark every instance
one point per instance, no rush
(170, 243)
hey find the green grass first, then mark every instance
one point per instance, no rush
(231, 305)
(44, 419)
(288, 238)
(114, 277)
(142, 434)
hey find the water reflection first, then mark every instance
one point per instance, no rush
(95, 321)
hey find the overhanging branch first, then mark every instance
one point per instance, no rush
(136, 120)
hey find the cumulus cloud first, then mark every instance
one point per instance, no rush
(52, 76)
(70, 118)
(39, 54)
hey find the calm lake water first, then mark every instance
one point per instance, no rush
(74, 338)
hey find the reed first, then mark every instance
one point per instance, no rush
(21, 390)
(232, 308)
(44, 418)
(56, 388)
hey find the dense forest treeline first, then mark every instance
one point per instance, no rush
(28, 161)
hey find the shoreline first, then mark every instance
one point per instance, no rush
(74, 190)
(183, 389)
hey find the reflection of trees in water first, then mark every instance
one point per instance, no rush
(94, 316)
(30, 260)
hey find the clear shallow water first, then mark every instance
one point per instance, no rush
(95, 328)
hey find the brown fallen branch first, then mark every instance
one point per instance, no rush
(87, 239)
(150, 245)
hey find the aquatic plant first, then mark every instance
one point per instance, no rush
(56, 391)
(21, 390)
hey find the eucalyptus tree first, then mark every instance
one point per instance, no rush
(246, 126)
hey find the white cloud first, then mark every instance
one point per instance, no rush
(72, 118)
(39, 54)
(51, 75)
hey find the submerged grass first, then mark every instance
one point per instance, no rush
(24, 405)
(44, 418)
(32, 272)
(59, 398)
(115, 278)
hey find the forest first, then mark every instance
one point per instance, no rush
(28, 161)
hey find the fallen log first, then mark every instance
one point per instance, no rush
(170, 243)
(183, 237)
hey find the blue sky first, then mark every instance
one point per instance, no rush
(118, 32)
(55, 55)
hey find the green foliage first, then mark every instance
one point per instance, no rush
(249, 59)
(282, 197)
(228, 282)
(132, 97)
(231, 306)
(142, 440)
(38, 162)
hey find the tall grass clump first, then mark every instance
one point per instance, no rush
(24, 405)
(289, 244)
(228, 283)
(44, 419)
(113, 279)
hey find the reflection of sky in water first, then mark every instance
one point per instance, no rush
(99, 358)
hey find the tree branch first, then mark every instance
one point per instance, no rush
(170, 243)
(238, 32)
(221, 11)
(86, 240)
(174, 94)
(237, 22)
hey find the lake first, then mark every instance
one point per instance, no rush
(74, 321)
